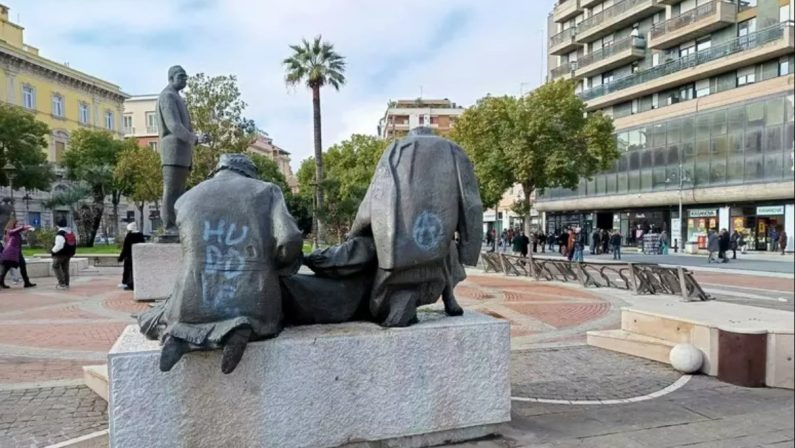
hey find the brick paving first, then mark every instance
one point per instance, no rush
(585, 373)
(44, 333)
(43, 416)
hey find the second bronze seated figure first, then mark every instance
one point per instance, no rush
(418, 225)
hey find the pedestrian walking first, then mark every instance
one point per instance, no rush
(724, 242)
(516, 244)
(542, 240)
(605, 239)
(615, 243)
(534, 240)
(664, 243)
(580, 241)
(524, 244)
(563, 243)
(134, 236)
(773, 239)
(735, 243)
(570, 241)
(595, 244)
(713, 246)
(62, 251)
(12, 253)
(783, 239)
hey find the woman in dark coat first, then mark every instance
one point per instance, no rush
(12, 253)
(134, 236)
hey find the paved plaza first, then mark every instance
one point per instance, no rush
(565, 392)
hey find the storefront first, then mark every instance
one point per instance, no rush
(757, 224)
(699, 222)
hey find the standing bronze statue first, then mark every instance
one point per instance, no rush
(177, 140)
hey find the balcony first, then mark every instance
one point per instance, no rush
(566, 10)
(563, 42)
(617, 54)
(589, 3)
(152, 129)
(691, 24)
(620, 15)
(563, 71)
(776, 41)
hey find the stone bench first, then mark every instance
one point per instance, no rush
(445, 379)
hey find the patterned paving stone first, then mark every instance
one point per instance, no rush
(16, 369)
(40, 417)
(586, 373)
(125, 303)
(79, 336)
(561, 315)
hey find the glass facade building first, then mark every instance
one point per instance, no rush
(704, 112)
(748, 142)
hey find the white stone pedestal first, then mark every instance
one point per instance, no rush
(155, 269)
(444, 379)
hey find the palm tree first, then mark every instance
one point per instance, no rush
(317, 64)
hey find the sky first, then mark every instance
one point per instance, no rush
(456, 49)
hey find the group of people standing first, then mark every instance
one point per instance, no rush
(571, 242)
(12, 258)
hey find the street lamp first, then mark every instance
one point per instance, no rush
(10, 170)
(681, 176)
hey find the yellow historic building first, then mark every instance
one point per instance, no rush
(64, 98)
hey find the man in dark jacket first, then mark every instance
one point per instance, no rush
(62, 251)
(724, 242)
(134, 236)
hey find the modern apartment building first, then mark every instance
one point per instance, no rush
(404, 115)
(701, 92)
(58, 95)
(264, 146)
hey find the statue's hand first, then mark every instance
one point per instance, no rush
(202, 139)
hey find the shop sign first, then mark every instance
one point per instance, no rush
(702, 212)
(676, 231)
(770, 211)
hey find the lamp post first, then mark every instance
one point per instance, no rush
(681, 177)
(10, 170)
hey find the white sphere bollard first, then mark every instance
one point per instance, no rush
(686, 358)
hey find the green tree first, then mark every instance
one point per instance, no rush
(139, 175)
(542, 140)
(349, 165)
(269, 172)
(91, 159)
(216, 110)
(75, 197)
(316, 64)
(23, 145)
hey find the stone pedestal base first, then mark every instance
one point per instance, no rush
(155, 269)
(444, 379)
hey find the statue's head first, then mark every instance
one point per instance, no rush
(238, 163)
(421, 130)
(177, 77)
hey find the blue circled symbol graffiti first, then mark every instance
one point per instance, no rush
(427, 230)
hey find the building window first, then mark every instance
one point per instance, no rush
(687, 49)
(127, 122)
(83, 113)
(57, 105)
(704, 43)
(746, 76)
(151, 122)
(784, 66)
(60, 149)
(607, 77)
(109, 120)
(29, 97)
(153, 146)
(702, 88)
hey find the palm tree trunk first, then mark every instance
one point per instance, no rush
(316, 221)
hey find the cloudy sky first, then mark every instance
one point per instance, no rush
(456, 49)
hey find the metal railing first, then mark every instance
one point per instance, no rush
(686, 19)
(152, 129)
(561, 70)
(640, 278)
(611, 50)
(737, 45)
(563, 36)
(613, 11)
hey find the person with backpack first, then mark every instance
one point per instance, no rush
(63, 251)
(12, 253)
